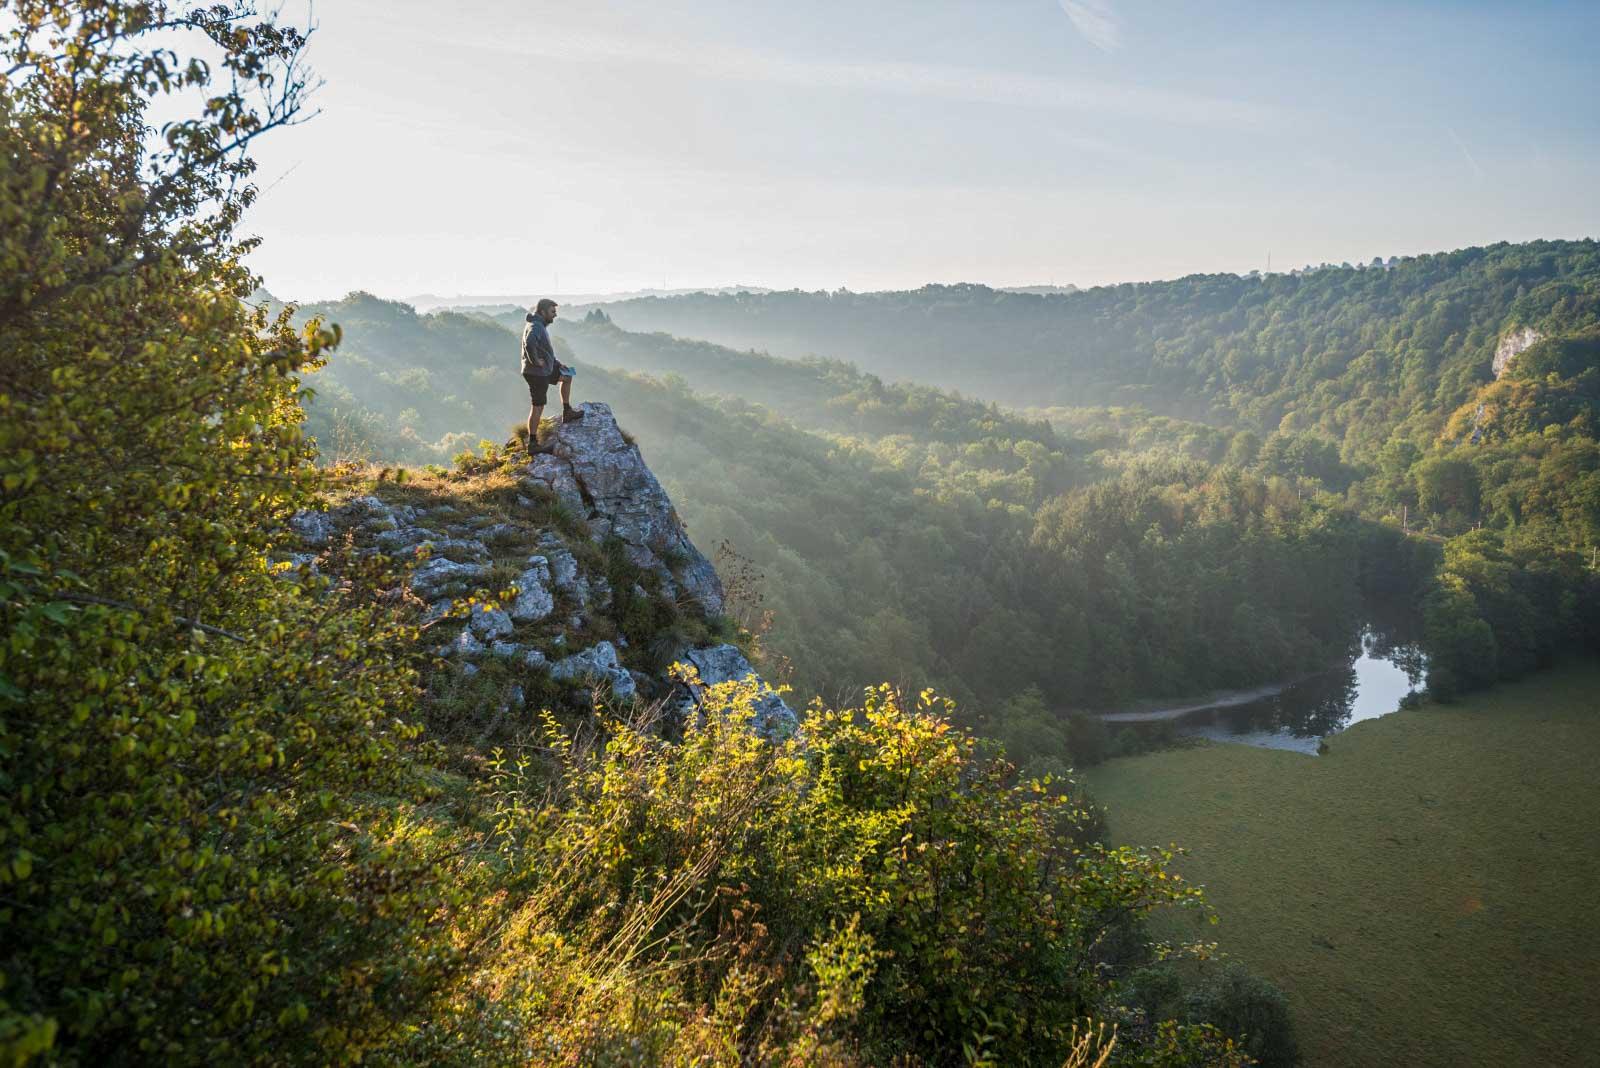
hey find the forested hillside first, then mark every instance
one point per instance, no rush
(1452, 393)
(1255, 348)
(923, 536)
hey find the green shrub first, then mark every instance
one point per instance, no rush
(876, 879)
(1222, 994)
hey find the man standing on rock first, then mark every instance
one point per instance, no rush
(541, 370)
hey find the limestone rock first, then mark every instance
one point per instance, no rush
(1513, 345)
(563, 565)
(403, 538)
(598, 664)
(489, 623)
(549, 473)
(437, 576)
(465, 645)
(461, 550)
(437, 611)
(370, 514)
(625, 499)
(313, 528)
(725, 663)
(534, 599)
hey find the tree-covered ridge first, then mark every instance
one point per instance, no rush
(1380, 386)
(1350, 351)
(1518, 456)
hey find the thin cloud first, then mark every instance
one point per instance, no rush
(969, 84)
(1095, 20)
(1465, 151)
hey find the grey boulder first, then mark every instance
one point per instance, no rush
(436, 576)
(534, 600)
(489, 623)
(312, 528)
(598, 664)
(725, 663)
(464, 645)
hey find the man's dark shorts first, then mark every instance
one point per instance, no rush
(539, 385)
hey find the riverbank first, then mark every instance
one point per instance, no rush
(1216, 699)
(1422, 893)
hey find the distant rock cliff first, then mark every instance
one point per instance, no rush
(552, 529)
(1513, 345)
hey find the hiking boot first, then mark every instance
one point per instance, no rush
(572, 415)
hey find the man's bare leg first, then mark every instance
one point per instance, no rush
(535, 414)
(568, 414)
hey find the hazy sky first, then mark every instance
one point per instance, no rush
(489, 146)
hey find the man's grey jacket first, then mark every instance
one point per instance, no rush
(538, 355)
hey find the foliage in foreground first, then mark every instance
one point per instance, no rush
(189, 867)
(872, 891)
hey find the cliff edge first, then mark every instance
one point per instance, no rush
(550, 580)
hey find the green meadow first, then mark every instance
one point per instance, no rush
(1425, 893)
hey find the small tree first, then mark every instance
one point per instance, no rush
(184, 874)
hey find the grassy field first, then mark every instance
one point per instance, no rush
(1427, 893)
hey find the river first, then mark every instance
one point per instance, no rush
(1384, 665)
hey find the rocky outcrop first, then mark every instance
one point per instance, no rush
(592, 466)
(1513, 345)
(438, 576)
(560, 625)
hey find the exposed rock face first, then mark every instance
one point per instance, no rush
(599, 664)
(725, 663)
(556, 476)
(313, 528)
(1513, 345)
(550, 629)
(490, 623)
(621, 496)
(438, 576)
(534, 599)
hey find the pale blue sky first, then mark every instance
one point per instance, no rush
(486, 146)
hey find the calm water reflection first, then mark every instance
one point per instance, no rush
(1387, 666)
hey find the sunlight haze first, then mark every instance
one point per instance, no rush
(507, 148)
